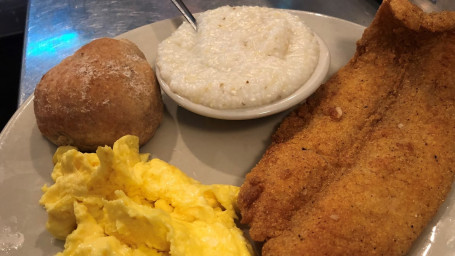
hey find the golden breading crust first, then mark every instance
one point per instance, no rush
(363, 166)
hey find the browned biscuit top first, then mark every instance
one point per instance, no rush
(107, 89)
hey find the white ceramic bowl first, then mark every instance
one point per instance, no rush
(295, 98)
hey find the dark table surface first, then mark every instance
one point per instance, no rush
(55, 29)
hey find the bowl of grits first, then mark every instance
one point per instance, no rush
(243, 62)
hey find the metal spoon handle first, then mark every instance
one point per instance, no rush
(186, 13)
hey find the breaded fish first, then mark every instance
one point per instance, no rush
(364, 164)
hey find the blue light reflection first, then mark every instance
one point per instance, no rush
(66, 41)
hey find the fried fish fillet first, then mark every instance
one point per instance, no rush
(364, 164)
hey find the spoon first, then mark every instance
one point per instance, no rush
(186, 13)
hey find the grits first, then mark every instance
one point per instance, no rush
(240, 57)
(115, 202)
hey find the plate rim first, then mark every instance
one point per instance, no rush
(9, 125)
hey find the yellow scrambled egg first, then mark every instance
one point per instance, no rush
(116, 202)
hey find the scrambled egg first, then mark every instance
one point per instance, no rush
(116, 202)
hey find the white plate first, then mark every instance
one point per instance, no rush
(303, 92)
(210, 150)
